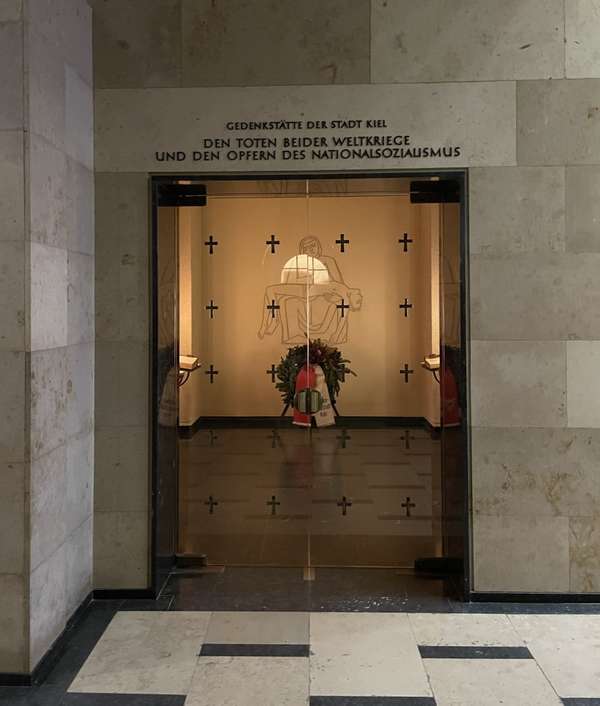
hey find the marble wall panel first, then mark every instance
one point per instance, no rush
(582, 48)
(48, 306)
(12, 295)
(48, 400)
(583, 208)
(48, 488)
(78, 548)
(13, 620)
(137, 43)
(518, 384)
(121, 469)
(13, 517)
(67, 26)
(12, 195)
(535, 297)
(324, 41)
(11, 76)
(443, 40)
(10, 10)
(46, 89)
(521, 554)
(122, 246)
(121, 545)
(535, 472)
(47, 604)
(478, 117)
(583, 406)
(79, 119)
(79, 479)
(48, 173)
(80, 304)
(80, 389)
(516, 210)
(121, 384)
(557, 122)
(79, 214)
(585, 554)
(13, 370)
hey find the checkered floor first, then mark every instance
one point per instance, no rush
(258, 658)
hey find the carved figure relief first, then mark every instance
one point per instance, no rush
(312, 299)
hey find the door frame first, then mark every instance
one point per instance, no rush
(464, 588)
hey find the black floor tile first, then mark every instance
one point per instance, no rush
(473, 652)
(526, 608)
(31, 696)
(122, 700)
(246, 650)
(350, 590)
(133, 604)
(372, 701)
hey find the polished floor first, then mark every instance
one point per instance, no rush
(146, 653)
(310, 497)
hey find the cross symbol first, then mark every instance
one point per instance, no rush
(405, 241)
(273, 503)
(212, 308)
(273, 243)
(406, 372)
(272, 307)
(342, 242)
(345, 504)
(342, 306)
(406, 306)
(408, 504)
(344, 438)
(275, 439)
(212, 437)
(211, 502)
(212, 372)
(406, 439)
(211, 244)
(272, 372)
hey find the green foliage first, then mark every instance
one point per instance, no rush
(319, 353)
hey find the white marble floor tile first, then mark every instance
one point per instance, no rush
(258, 628)
(489, 682)
(364, 654)
(464, 630)
(249, 681)
(567, 648)
(150, 652)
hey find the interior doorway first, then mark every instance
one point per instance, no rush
(310, 372)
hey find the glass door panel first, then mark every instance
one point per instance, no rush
(375, 468)
(245, 471)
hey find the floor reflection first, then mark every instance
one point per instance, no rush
(310, 497)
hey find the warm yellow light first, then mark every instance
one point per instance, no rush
(304, 269)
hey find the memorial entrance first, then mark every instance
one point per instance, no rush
(309, 370)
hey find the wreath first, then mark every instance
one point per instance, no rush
(319, 353)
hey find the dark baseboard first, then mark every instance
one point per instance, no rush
(487, 597)
(53, 654)
(116, 594)
(207, 423)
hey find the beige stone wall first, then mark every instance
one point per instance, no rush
(534, 233)
(47, 339)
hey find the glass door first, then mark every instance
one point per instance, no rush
(375, 468)
(245, 467)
